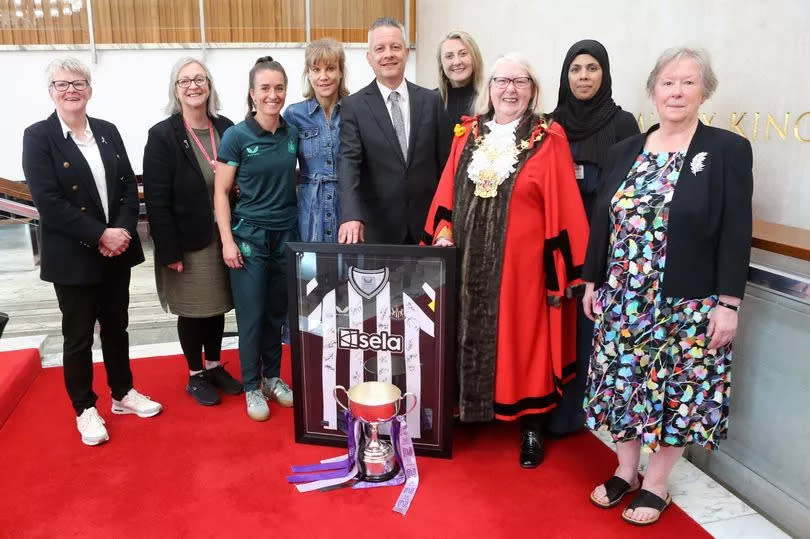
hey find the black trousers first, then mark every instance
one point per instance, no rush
(196, 334)
(81, 306)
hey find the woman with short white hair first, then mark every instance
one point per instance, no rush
(84, 188)
(509, 201)
(666, 271)
(178, 180)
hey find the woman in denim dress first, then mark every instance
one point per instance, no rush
(318, 122)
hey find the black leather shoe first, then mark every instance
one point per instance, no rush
(531, 449)
(223, 380)
(202, 390)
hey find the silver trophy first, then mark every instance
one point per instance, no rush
(374, 403)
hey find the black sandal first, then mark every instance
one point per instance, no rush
(615, 489)
(647, 499)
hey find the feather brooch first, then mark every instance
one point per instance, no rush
(697, 162)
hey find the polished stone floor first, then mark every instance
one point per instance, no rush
(35, 321)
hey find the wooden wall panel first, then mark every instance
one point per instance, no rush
(39, 25)
(348, 20)
(177, 21)
(146, 21)
(255, 21)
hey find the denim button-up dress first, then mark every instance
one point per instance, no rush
(318, 150)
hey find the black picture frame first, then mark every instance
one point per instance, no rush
(317, 276)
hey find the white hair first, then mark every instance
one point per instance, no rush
(708, 79)
(483, 103)
(74, 65)
(174, 106)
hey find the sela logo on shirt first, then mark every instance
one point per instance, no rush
(354, 339)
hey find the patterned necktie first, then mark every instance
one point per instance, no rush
(399, 123)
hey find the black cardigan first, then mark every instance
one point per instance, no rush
(177, 200)
(709, 227)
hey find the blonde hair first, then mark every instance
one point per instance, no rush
(483, 103)
(329, 51)
(477, 62)
(174, 106)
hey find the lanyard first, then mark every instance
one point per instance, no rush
(200, 145)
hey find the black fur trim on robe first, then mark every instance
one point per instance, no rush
(479, 230)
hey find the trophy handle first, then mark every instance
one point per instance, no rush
(405, 398)
(337, 400)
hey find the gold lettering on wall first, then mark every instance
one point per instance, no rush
(735, 123)
(740, 122)
(796, 128)
(781, 132)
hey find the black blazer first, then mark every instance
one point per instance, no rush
(71, 215)
(177, 202)
(709, 227)
(390, 194)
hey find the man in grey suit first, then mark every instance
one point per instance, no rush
(391, 151)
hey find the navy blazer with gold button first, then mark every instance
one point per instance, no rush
(709, 226)
(71, 215)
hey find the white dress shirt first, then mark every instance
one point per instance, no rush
(404, 104)
(92, 155)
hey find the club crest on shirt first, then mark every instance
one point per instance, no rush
(291, 146)
(397, 312)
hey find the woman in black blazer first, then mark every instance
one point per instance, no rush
(666, 270)
(178, 179)
(84, 188)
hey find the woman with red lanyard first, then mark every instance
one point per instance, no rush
(178, 178)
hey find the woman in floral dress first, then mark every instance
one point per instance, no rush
(666, 270)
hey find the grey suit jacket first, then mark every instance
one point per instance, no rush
(391, 194)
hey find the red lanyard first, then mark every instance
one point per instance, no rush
(200, 145)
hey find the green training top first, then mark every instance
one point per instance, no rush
(265, 172)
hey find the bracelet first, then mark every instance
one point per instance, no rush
(734, 308)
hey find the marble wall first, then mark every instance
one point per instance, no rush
(759, 53)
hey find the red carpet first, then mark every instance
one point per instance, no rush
(18, 369)
(212, 472)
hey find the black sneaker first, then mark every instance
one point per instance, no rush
(223, 380)
(203, 391)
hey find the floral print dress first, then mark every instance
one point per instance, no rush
(652, 375)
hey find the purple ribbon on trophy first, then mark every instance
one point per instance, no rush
(370, 462)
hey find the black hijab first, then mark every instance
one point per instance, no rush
(588, 123)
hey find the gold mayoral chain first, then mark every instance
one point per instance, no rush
(495, 157)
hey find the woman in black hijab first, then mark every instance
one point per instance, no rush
(593, 122)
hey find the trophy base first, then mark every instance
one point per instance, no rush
(378, 478)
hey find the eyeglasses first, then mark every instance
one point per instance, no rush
(199, 81)
(63, 85)
(521, 83)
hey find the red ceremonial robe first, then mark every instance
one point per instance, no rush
(537, 252)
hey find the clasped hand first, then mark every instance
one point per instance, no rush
(114, 241)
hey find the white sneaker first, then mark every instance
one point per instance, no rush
(135, 403)
(275, 388)
(257, 408)
(91, 427)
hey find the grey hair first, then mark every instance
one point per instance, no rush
(389, 22)
(74, 65)
(174, 106)
(708, 79)
(483, 103)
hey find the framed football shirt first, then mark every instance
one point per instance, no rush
(362, 313)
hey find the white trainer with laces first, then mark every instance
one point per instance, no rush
(136, 403)
(257, 408)
(91, 427)
(276, 389)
